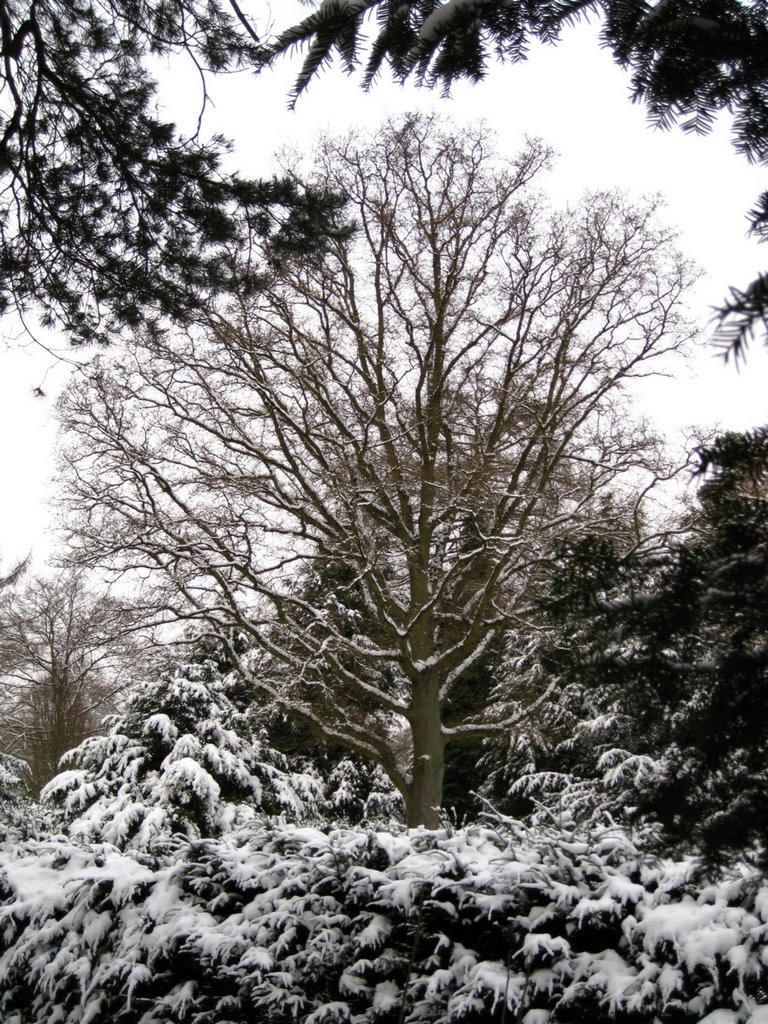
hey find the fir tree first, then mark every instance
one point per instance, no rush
(178, 760)
(674, 647)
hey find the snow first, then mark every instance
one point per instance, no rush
(324, 925)
(376, 932)
(700, 932)
(540, 942)
(58, 865)
(330, 1012)
(386, 997)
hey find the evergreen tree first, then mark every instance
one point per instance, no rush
(108, 217)
(179, 760)
(14, 803)
(675, 649)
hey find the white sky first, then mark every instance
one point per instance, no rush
(573, 97)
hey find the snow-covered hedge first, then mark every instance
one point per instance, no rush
(282, 923)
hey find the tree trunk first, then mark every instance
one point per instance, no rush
(422, 805)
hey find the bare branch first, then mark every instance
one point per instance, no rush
(367, 467)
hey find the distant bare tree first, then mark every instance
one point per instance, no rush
(64, 657)
(431, 407)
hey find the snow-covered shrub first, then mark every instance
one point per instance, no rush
(179, 759)
(16, 809)
(356, 791)
(286, 924)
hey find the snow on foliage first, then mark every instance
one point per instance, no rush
(280, 923)
(16, 810)
(356, 791)
(12, 770)
(179, 759)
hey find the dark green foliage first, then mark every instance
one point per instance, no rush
(464, 772)
(674, 649)
(281, 924)
(689, 60)
(108, 218)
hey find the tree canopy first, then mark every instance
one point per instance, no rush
(430, 406)
(689, 60)
(108, 216)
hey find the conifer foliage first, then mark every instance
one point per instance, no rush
(282, 924)
(14, 804)
(179, 760)
(108, 216)
(673, 647)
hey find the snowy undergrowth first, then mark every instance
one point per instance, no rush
(282, 923)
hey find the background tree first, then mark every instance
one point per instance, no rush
(108, 217)
(689, 59)
(357, 788)
(431, 406)
(674, 649)
(65, 655)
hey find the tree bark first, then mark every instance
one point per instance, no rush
(425, 797)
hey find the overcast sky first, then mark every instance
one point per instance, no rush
(576, 100)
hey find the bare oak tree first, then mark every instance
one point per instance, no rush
(65, 654)
(430, 407)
